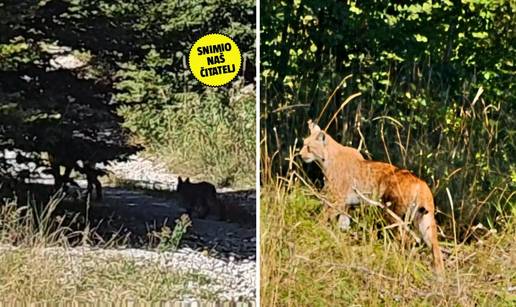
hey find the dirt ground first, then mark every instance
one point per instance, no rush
(134, 214)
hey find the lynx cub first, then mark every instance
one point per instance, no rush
(200, 199)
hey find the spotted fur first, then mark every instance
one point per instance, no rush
(346, 171)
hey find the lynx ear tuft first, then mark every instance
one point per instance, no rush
(313, 126)
(179, 179)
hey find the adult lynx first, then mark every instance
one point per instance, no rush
(346, 172)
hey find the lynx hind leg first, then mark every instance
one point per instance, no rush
(330, 213)
(344, 222)
(428, 229)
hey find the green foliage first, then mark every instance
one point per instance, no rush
(210, 135)
(131, 59)
(419, 67)
(55, 97)
(16, 52)
(170, 239)
(198, 130)
(179, 231)
(306, 261)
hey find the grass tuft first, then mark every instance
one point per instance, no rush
(306, 261)
(37, 263)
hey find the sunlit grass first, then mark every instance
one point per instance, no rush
(38, 274)
(37, 263)
(209, 137)
(306, 261)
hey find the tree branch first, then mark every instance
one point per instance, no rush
(390, 212)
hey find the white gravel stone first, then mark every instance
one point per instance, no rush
(233, 279)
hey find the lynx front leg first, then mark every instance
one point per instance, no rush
(337, 212)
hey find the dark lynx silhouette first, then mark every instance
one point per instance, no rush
(200, 199)
(92, 173)
(88, 169)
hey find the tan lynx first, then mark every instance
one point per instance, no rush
(346, 171)
(200, 199)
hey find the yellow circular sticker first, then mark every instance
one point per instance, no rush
(215, 59)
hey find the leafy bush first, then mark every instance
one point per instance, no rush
(436, 92)
(210, 134)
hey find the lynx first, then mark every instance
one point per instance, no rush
(200, 199)
(346, 172)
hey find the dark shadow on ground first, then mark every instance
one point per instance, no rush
(135, 213)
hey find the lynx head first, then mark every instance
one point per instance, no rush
(181, 184)
(314, 146)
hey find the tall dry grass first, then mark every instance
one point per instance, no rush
(39, 264)
(306, 261)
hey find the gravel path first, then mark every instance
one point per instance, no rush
(148, 173)
(144, 170)
(232, 281)
(233, 267)
(223, 251)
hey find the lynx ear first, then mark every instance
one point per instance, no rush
(313, 126)
(187, 180)
(179, 179)
(321, 137)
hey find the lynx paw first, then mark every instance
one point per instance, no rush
(344, 222)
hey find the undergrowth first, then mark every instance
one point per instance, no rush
(169, 239)
(210, 136)
(306, 261)
(38, 262)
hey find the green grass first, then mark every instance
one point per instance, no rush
(37, 274)
(306, 261)
(209, 136)
(213, 142)
(37, 264)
